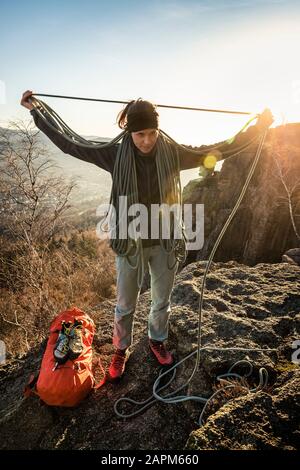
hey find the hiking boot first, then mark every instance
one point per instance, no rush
(163, 356)
(75, 343)
(117, 365)
(61, 350)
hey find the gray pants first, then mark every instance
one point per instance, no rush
(162, 281)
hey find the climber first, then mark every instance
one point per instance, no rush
(143, 141)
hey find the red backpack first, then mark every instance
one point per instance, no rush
(68, 383)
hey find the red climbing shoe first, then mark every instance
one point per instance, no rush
(163, 356)
(117, 365)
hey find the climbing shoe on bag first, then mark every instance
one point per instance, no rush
(61, 350)
(75, 340)
(117, 365)
(163, 356)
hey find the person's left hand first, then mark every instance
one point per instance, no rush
(265, 119)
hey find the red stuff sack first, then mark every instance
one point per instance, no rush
(67, 383)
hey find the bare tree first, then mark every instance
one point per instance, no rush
(290, 181)
(33, 203)
(32, 199)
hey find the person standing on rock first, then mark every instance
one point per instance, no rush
(140, 120)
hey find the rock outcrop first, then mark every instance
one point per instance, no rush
(292, 256)
(261, 421)
(248, 307)
(261, 230)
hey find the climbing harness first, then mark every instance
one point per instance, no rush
(124, 182)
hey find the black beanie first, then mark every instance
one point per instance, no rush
(138, 121)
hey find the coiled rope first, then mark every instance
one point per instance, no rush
(58, 125)
(125, 184)
(173, 397)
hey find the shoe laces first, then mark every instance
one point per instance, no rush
(75, 332)
(66, 328)
(64, 347)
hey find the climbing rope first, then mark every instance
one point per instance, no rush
(124, 181)
(173, 398)
(170, 398)
(125, 184)
(157, 105)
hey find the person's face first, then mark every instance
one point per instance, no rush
(145, 139)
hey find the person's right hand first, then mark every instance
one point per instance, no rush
(24, 101)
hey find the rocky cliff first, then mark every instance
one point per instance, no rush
(262, 229)
(248, 307)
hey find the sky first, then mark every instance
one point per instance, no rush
(224, 54)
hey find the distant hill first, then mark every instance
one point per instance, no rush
(93, 183)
